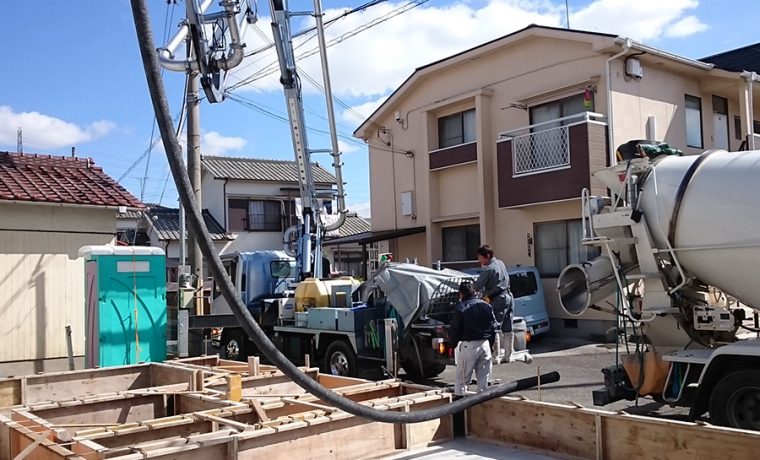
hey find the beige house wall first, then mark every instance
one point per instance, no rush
(42, 279)
(498, 79)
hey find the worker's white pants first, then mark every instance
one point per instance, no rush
(472, 355)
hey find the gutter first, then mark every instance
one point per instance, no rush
(627, 42)
(73, 205)
(611, 141)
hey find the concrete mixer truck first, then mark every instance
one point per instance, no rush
(680, 235)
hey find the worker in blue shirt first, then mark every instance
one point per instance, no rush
(472, 326)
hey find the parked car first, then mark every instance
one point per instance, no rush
(528, 292)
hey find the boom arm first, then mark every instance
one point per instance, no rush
(311, 228)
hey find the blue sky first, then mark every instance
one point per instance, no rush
(73, 77)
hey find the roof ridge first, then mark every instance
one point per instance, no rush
(263, 160)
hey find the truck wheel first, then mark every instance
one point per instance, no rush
(735, 400)
(340, 359)
(234, 346)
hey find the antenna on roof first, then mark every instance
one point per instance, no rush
(19, 141)
(73, 152)
(567, 14)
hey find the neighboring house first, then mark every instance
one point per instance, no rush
(162, 228)
(255, 199)
(494, 144)
(348, 257)
(50, 206)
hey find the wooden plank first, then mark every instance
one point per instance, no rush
(10, 391)
(61, 386)
(186, 404)
(234, 387)
(119, 440)
(552, 428)
(345, 439)
(425, 433)
(253, 366)
(114, 411)
(336, 381)
(163, 374)
(327, 409)
(628, 436)
(260, 413)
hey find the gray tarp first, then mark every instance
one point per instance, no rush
(409, 287)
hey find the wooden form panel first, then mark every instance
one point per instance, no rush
(569, 431)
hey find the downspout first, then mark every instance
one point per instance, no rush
(749, 112)
(225, 204)
(610, 130)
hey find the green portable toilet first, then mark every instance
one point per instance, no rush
(125, 305)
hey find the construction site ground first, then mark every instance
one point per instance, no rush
(579, 363)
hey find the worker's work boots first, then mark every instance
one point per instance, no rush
(507, 354)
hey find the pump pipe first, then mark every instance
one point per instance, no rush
(174, 157)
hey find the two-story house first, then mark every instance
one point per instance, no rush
(495, 144)
(255, 199)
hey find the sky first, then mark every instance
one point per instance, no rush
(72, 76)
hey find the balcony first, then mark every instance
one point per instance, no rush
(550, 161)
(454, 155)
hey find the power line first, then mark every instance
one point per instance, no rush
(403, 9)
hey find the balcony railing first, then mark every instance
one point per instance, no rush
(544, 146)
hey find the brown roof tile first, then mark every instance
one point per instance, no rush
(54, 179)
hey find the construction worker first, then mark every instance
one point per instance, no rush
(471, 329)
(493, 284)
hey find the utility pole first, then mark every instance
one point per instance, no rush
(194, 173)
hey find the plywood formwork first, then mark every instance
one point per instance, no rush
(576, 432)
(188, 415)
(194, 418)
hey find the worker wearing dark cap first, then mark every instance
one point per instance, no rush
(471, 329)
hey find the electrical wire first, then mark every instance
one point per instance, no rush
(249, 325)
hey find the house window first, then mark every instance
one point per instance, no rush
(456, 129)
(559, 109)
(558, 244)
(693, 121)
(258, 215)
(460, 243)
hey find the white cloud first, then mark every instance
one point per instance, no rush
(358, 113)
(642, 20)
(361, 208)
(689, 25)
(375, 61)
(213, 143)
(348, 147)
(45, 131)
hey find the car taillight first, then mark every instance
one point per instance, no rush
(442, 348)
(527, 337)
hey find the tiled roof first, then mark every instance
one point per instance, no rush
(166, 223)
(353, 225)
(129, 215)
(744, 58)
(53, 179)
(261, 170)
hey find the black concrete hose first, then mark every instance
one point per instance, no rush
(193, 213)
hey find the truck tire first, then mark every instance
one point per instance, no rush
(735, 400)
(234, 345)
(340, 359)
